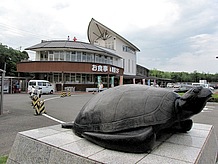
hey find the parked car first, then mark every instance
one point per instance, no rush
(43, 85)
(183, 88)
(170, 85)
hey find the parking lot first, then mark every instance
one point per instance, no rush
(19, 114)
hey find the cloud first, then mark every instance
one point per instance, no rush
(172, 35)
(188, 44)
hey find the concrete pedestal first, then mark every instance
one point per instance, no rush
(53, 144)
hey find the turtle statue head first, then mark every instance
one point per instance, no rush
(193, 101)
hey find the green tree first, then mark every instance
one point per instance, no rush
(184, 76)
(11, 57)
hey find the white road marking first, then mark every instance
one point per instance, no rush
(52, 98)
(52, 118)
(208, 109)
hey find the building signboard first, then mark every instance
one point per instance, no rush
(104, 68)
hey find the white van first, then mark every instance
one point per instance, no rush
(201, 84)
(43, 85)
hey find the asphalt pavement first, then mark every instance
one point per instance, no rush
(18, 115)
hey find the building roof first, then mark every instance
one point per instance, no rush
(66, 44)
(97, 30)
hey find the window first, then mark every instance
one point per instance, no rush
(51, 57)
(79, 56)
(88, 57)
(73, 56)
(78, 78)
(61, 56)
(101, 59)
(92, 58)
(111, 60)
(124, 48)
(57, 77)
(43, 55)
(128, 49)
(67, 77)
(67, 56)
(32, 83)
(132, 65)
(84, 57)
(89, 79)
(128, 65)
(73, 77)
(96, 58)
(116, 62)
(56, 56)
(84, 79)
(40, 83)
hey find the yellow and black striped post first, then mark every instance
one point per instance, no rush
(36, 106)
(42, 107)
(63, 94)
(35, 100)
(39, 108)
(68, 93)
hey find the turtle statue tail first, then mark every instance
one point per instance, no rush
(67, 125)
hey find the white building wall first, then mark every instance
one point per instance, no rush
(37, 58)
(129, 61)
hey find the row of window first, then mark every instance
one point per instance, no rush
(74, 78)
(76, 56)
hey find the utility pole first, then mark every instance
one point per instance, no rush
(2, 85)
(2, 90)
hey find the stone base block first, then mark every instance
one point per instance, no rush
(51, 145)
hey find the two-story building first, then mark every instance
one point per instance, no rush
(107, 58)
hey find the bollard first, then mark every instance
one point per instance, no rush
(63, 94)
(69, 93)
(35, 100)
(40, 108)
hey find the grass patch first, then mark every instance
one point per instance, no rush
(3, 159)
(214, 98)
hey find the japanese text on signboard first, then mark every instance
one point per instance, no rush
(104, 68)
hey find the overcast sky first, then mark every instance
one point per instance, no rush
(172, 35)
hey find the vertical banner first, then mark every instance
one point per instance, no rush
(154, 84)
(133, 80)
(112, 81)
(121, 80)
(143, 81)
(99, 80)
(149, 82)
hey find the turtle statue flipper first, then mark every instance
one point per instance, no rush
(182, 126)
(138, 141)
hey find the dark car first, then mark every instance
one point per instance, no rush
(183, 89)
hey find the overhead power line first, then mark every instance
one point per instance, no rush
(21, 32)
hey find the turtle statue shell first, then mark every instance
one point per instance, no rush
(128, 117)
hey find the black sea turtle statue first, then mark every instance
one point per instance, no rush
(128, 117)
